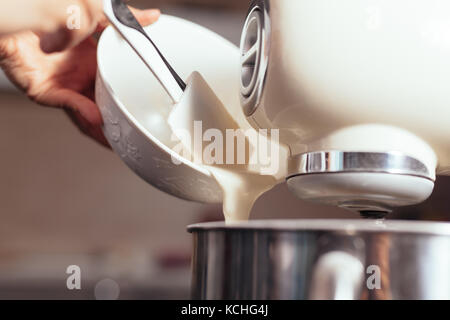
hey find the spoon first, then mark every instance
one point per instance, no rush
(130, 29)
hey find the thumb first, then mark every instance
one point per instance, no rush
(145, 17)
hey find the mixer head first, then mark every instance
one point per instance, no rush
(367, 170)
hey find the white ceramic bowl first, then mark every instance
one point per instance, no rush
(135, 107)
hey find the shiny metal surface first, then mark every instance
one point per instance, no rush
(255, 47)
(371, 183)
(321, 259)
(341, 161)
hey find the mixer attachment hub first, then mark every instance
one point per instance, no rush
(371, 183)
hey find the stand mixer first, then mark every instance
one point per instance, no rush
(359, 92)
(358, 99)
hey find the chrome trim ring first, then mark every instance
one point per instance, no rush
(255, 44)
(342, 161)
(350, 226)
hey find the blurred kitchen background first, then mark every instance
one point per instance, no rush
(64, 200)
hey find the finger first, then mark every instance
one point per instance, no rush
(55, 41)
(145, 17)
(7, 47)
(87, 108)
(77, 120)
(98, 135)
(71, 30)
(96, 132)
(85, 114)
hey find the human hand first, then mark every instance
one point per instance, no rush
(63, 79)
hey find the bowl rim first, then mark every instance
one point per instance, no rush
(131, 119)
(348, 226)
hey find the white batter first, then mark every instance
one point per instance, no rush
(242, 182)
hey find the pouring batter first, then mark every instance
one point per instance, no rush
(244, 175)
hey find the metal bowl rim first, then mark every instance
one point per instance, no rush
(333, 225)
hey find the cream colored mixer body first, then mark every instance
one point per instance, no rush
(360, 92)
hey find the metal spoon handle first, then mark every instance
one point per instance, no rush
(126, 24)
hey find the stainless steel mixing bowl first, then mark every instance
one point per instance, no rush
(321, 259)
